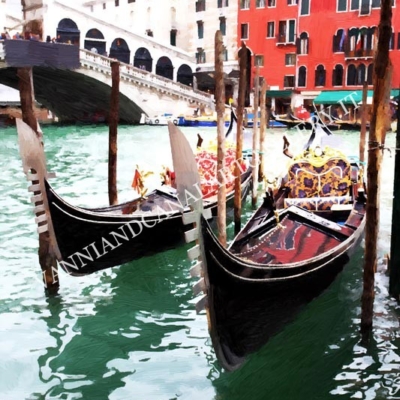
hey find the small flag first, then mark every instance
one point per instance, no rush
(137, 182)
(358, 43)
(341, 44)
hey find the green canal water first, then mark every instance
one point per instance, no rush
(131, 332)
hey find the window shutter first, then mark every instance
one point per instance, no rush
(298, 46)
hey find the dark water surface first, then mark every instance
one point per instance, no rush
(132, 333)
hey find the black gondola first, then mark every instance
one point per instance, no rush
(335, 125)
(291, 249)
(294, 122)
(88, 240)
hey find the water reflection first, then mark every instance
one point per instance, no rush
(373, 371)
(121, 334)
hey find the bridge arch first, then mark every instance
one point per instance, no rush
(185, 75)
(142, 59)
(95, 40)
(68, 32)
(120, 50)
(165, 68)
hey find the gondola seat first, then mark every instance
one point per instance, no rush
(318, 182)
(207, 162)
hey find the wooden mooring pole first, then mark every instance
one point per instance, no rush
(113, 130)
(220, 107)
(239, 136)
(363, 130)
(47, 259)
(377, 132)
(263, 126)
(256, 140)
(394, 261)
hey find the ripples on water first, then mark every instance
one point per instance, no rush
(132, 333)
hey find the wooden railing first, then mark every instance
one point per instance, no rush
(359, 53)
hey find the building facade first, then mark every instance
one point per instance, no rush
(304, 47)
(165, 21)
(207, 17)
(188, 25)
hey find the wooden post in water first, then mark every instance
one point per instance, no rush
(378, 126)
(239, 136)
(256, 140)
(363, 131)
(220, 107)
(47, 259)
(113, 130)
(262, 130)
(394, 263)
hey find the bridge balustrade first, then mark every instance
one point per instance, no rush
(128, 71)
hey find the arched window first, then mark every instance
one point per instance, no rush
(302, 43)
(337, 77)
(361, 42)
(370, 74)
(351, 75)
(371, 38)
(360, 75)
(302, 77)
(320, 75)
(353, 35)
(338, 41)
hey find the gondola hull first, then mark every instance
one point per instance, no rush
(307, 125)
(90, 240)
(304, 125)
(249, 304)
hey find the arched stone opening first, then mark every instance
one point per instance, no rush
(94, 41)
(143, 60)
(119, 49)
(164, 68)
(185, 75)
(68, 32)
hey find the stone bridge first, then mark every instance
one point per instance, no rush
(154, 77)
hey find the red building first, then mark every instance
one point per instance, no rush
(305, 47)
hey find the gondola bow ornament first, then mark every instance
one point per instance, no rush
(34, 166)
(189, 191)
